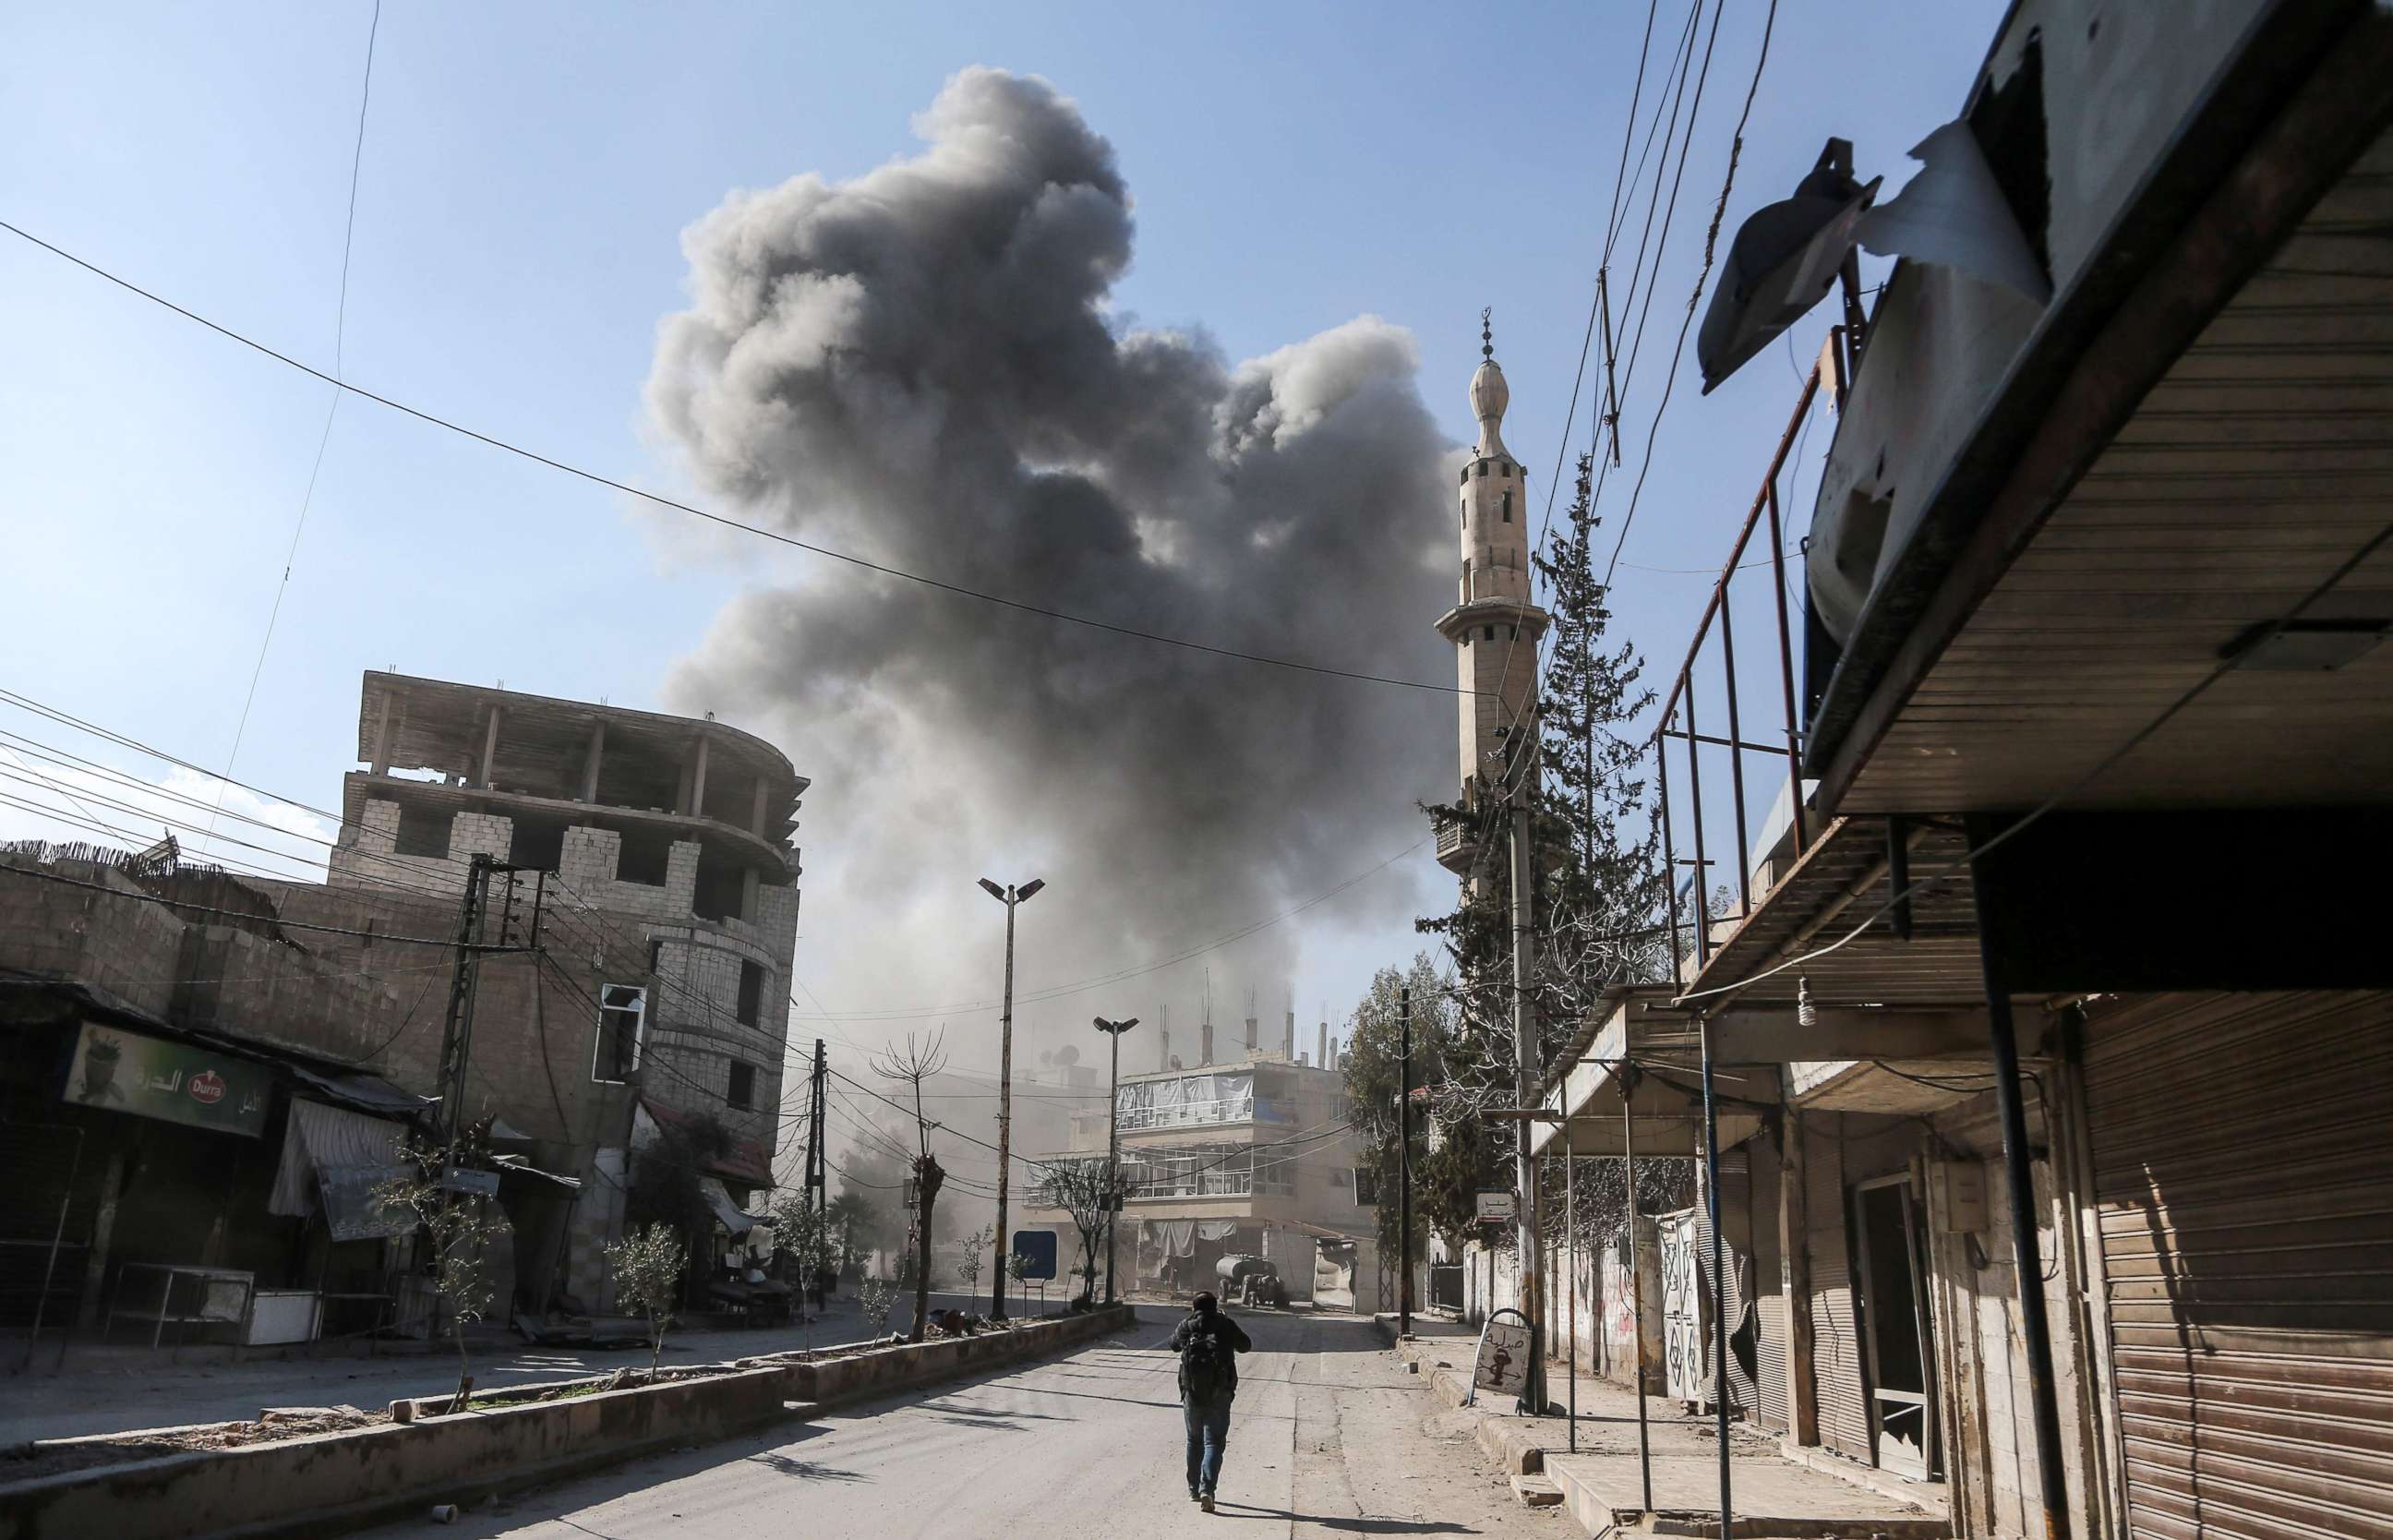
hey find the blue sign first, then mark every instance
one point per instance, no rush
(1039, 1248)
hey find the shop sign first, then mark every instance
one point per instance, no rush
(176, 1082)
(460, 1179)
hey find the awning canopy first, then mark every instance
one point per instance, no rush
(338, 1160)
(749, 1162)
(727, 1212)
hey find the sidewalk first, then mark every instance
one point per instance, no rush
(117, 1390)
(1602, 1481)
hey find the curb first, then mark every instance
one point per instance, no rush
(328, 1482)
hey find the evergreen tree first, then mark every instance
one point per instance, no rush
(1597, 894)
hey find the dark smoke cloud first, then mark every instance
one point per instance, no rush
(920, 365)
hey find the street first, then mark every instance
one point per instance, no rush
(1329, 1437)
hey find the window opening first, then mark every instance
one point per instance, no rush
(622, 1032)
(751, 993)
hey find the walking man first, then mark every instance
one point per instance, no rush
(1208, 1343)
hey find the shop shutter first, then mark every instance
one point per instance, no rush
(2243, 1178)
(47, 1211)
(1736, 1258)
(1769, 1299)
(1836, 1344)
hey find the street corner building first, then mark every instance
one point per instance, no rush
(207, 1075)
(2040, 1065)
(1230, 1165)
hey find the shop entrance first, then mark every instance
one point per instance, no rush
(1894, 1327)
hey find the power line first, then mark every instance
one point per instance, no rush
(724, 520)
(331, 409)
(1962, 864)
(243, 914)
(1711, 241)
(1062, 990)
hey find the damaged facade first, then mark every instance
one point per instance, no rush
(630, 971)
(2046, 1039)
(1231, 1160)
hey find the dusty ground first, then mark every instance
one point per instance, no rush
(291, 1424)
(1330, 1437)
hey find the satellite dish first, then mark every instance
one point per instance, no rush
(1783, 260)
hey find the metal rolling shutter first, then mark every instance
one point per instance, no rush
(2243, 1175)
(1836, 1345)
(1770, 1302)
(1736, 1258)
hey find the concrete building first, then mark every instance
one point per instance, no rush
(2052, 1178)
(1247, 1157)
(644, 914)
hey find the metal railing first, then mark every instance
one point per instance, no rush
(1678, 719)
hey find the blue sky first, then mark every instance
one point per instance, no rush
(526, 170)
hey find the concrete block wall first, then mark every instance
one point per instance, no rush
(127, 946)
(475, 834)
(241, 983)
(695, 1027)
(368, 856)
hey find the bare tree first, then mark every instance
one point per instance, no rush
(911, 1065)
(462, 1234)
(1084, 1189)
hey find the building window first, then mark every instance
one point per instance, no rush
(751, 993)
(1516, 635)
(622, 1031)
(1507, 506)
(1491, 633)
(741, 1093)
(1483, 470)
(424, 831)
(1366, 1187)
(656, 957)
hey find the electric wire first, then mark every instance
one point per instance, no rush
(724, 520)
(331, 409)
(1962, 864)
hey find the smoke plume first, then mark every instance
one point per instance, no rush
(920, 366)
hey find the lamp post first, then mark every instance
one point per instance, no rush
(1009, 896)
(1113, 1145)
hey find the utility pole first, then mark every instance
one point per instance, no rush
(1405, 1163)
(1113, 1146)
(817, 1187)
(457, 1026)
(1010, 898)
(1524, 1046)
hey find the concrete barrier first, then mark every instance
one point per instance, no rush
(326, 1482)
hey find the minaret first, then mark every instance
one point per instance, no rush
(1494, 626)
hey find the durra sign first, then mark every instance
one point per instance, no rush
(176, 1082)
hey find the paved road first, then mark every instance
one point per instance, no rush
(1329, 1437)
(149, 1392)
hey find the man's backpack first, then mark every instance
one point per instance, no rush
(1204, 1365)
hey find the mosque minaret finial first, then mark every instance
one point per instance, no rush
(1496, 622)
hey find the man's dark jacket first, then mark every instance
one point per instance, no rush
(1234, 1343)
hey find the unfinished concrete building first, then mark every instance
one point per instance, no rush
(678, 830)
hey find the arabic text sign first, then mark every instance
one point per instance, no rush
(1495, 1208)
(177, 1082)
(1503, 1363)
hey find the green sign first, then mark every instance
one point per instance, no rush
(179, 1082)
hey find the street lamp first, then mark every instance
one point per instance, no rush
(1113, 1145)
(1008, 897)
